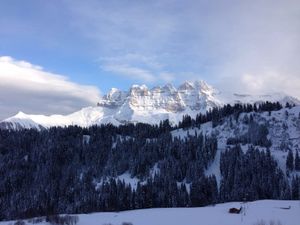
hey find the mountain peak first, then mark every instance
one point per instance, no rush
(201, 84)
(169, 88)
(20, 114)
(113, 92)
(186, 86)
(140, 87)
(139, 90)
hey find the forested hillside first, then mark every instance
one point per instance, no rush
(80, 170)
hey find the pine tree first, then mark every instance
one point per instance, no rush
(296, 188)
(297, 162)
(290, 161)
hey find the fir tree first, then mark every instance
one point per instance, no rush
(297, 162)
(296, 188)
(290, 161)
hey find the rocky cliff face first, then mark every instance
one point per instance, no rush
(189, 96)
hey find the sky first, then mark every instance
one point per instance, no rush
(61, 55)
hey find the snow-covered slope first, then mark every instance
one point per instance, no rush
(283, 127)
(284, 133)
(265, 212)
(85, 117)
(141, 104)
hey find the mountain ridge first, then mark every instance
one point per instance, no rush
(146, 105)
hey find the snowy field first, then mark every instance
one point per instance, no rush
(276, 211)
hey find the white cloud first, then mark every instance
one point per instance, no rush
(140, 74)
(132, 58)
(271, 82)
(219, 40)
(29, 88)
(136, 67)
(131, 72)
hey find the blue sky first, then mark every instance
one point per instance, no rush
(240, 46)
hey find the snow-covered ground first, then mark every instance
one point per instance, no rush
(279, 212)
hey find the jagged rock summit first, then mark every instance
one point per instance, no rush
(141, 104)
(196, 96)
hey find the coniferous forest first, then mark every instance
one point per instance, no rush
(73, 169)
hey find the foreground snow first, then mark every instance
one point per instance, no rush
(285, 212)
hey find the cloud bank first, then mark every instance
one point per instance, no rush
(137, 67)
(247, 47)
(30, 88)
(250, 46)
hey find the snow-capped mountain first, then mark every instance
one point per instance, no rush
(270, 97)
(189, 96)
(141, 104)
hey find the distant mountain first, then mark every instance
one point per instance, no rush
(141, 104)
(271, 97)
